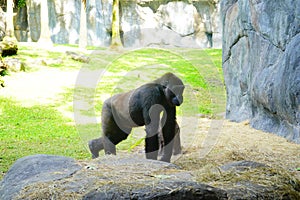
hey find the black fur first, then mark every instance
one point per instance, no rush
(140, 107)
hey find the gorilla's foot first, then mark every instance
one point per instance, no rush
(95, 146)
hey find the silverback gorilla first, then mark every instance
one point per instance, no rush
(139, 107)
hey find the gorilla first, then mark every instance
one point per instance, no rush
(142, 107)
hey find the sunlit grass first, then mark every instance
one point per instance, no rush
(35, 130)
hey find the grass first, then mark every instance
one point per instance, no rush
(35, 130)
(35, 57)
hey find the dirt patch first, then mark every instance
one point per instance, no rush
(40, 87)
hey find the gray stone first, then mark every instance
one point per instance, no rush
(2, 24)
(21, 25)
(34, 19)
(14, 64)
(119, 177)
(78, 57)
(261, 63)
(9, 46)
(144, 23)
(111, 177)
(35, 169)
(241, 165)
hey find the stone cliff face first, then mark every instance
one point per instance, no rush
(143, 22)
(2, 24)
(261, 63)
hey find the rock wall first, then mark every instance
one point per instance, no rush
(261, 63)
(143, 22)
(2, 24)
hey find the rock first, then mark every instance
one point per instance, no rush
(9, 46)
(2, 24)
(111, 177)
(21, 25)
(34, 19)
(133, 177)
(51, 61)
(181, 22)
(14, 64)
(241, 165)
(78, 57)
(35, 169)
(261, 59)
(140, 20)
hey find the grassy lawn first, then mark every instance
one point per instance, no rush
(42, 129)
(35, 130)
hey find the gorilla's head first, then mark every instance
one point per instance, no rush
(173, 88)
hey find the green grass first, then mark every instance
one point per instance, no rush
(35, 130)
(35, 58)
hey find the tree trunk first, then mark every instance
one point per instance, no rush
(9, 19)
(45, 32)
(115, 27)
(83, 28)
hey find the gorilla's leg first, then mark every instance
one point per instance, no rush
(177, 142)
(109, 147)
(113, 135)
(151, 147)
(152, 120)
(95, 146)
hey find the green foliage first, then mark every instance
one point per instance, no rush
(21, 3)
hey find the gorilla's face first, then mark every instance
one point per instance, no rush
(173, 88)
(174, 95)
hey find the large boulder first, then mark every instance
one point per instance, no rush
(174, 23)
(57, 177)
(36, 169)
(21, 25)
(261, 63)
(133, 177)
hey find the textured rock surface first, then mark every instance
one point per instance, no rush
(261, 63)
(117, 177)
(56, 177)
(143, 22)
(2, 24)
(9, 46)
(35, 169)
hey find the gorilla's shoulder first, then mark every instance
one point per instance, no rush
(150, 89)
